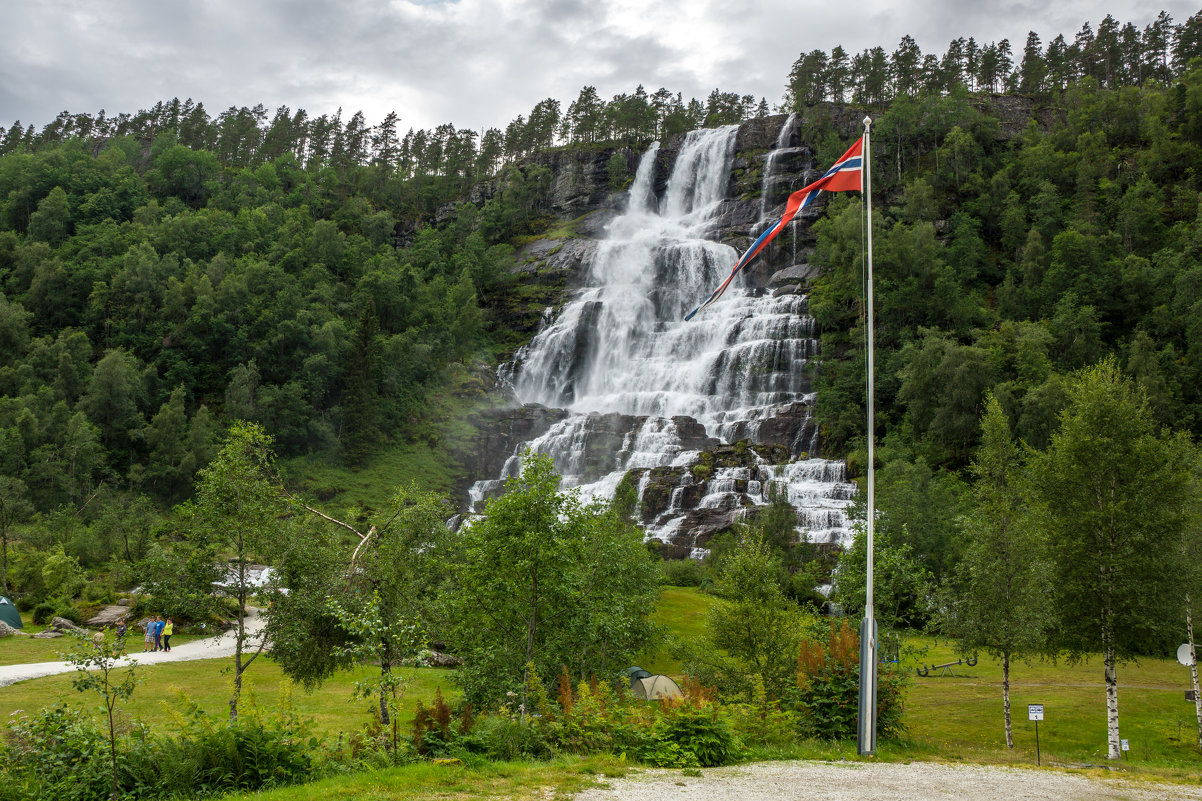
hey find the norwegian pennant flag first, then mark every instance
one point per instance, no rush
(844, 176)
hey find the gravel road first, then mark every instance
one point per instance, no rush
(857, 781)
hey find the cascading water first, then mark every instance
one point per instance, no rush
(658, 397)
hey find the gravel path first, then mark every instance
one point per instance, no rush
(857, 781)
(212, 648)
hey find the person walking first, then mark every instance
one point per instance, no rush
(158, 632)
(167, 629)
(121, 632)
(148, 640)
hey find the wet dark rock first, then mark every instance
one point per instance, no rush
(548, 257)
(797, 274)
(500, 433)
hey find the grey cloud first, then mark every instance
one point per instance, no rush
(476, 63)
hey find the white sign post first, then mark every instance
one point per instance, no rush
(1035, 713)
(1126, 746)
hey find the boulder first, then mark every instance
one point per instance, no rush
(439, 659)
(6, 630)
(64, 625)
(109, 616)
(124, 602)
(48, 634)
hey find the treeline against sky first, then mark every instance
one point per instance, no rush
(247, 137)
(1113, 56)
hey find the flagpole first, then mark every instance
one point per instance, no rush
(866, 734)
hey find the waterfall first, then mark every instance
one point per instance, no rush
(649, 392)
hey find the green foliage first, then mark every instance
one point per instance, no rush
(902, 588)
(752, 630)
(542, 579)
(701, 731)
(828, 686)
(682, 572)
(1110, 495)
(59, 754)
(99, 669)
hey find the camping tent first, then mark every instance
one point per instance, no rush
(656, 688)
(634, 673)
(9, 613)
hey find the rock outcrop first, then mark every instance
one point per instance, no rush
(109, 616)
(66, 626)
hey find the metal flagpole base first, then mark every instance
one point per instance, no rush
(866, 726)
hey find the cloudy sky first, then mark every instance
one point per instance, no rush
(477, 63)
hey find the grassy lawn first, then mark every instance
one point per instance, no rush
(208, 682)
(961, 715)
(681, 611)
(558, 778)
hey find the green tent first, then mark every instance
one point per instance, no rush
(9, 613)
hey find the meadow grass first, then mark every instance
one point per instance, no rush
(164, 688)
(558, 778)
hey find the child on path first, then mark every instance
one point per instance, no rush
(167, 628)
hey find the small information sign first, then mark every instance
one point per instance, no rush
(1126, 745)
(1034, 711)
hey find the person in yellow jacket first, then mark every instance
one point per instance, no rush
(167, 627)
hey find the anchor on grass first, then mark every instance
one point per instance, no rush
(947, 667)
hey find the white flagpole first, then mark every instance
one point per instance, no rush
(866, 734)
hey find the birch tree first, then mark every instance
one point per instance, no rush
(998, 598)
(237, 509)
(1110, 494)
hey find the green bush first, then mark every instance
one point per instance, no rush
(682, 573)
(763, 722)
(503, 738)
(60, 754)
(701, 730)
(44, 611)
(828, 688)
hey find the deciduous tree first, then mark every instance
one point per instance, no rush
(1110, 494)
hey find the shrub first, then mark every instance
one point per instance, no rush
(43, 612)
(433, 735)
(828, 687)
(59, 754)
(682, 573)
(763, 722)
(700, 730)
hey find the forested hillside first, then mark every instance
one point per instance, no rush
(166, 272)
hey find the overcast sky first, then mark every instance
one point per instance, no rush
(476, 63)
